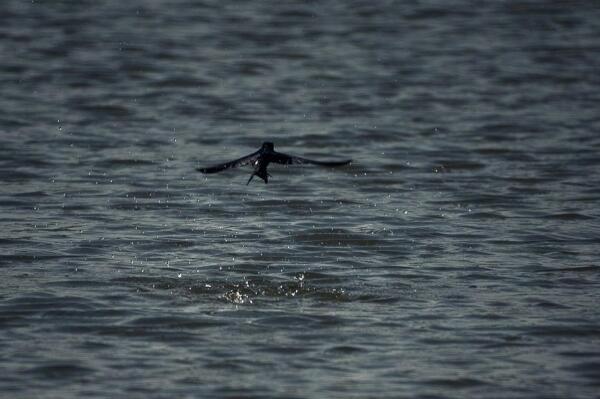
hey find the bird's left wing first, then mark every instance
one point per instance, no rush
(231, 164)
(286, 159)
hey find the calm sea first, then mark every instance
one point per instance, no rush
(457, 257)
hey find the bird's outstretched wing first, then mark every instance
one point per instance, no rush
(286, 159)
(231, 164)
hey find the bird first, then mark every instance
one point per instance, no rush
(263, 157)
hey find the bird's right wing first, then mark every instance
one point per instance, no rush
(231, 164)
(286, 159)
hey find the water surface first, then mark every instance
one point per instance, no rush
(456, 257)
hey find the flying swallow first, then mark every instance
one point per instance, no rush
(261, 159)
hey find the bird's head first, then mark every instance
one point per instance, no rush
(268, 146)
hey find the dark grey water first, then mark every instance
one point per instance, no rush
(457, 257)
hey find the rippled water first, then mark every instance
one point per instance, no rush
(456, 257)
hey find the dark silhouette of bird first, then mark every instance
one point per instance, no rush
(263, 157)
